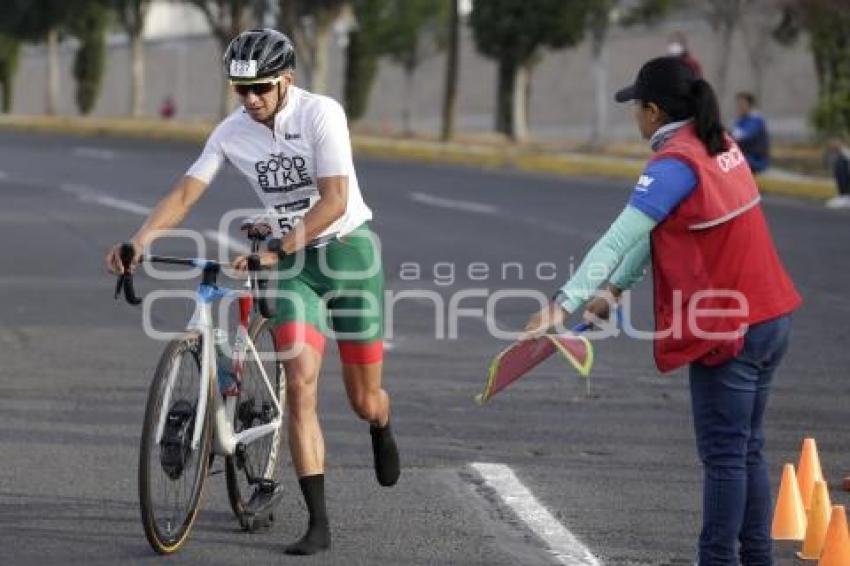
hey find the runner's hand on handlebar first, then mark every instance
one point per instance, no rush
(113, 259)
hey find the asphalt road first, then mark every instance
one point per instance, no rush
(618, 469)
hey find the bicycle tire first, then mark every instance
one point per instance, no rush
(151, 456)
(269, 452)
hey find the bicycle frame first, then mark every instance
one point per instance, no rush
(225, 439)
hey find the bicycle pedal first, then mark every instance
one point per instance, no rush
(253, 523)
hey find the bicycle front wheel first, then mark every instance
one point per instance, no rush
(171, 471)
(263, 457)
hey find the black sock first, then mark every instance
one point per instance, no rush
(385, 453)
(318, 535)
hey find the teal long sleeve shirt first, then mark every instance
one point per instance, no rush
(619, 257)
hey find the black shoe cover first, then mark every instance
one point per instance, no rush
(385, 452)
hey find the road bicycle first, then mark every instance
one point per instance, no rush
(203, 403)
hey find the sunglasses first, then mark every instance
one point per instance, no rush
(257, 88)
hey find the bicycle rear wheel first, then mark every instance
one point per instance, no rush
(263, 457)
(171, 472)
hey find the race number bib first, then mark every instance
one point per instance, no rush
(243, 69)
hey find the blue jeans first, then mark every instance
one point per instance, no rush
(728, 404)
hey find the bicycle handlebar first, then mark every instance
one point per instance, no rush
(259, 284)
(125, 280)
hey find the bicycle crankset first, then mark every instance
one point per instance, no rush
(176, 442)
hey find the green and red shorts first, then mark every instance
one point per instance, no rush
(336, 290)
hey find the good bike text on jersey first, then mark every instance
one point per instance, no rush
(282, 174)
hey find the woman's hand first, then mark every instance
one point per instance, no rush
(267, 259)
(601, 305)
(540, 323)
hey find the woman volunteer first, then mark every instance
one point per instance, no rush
(722, 297)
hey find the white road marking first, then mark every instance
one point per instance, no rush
(226, 241)
(88, 194)
(460, 205)
(563, 545)
(94, 153)
(3, 175)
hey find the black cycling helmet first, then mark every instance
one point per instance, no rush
(258, 55)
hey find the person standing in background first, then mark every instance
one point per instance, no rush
(838, 157)
(750, 131)
(677, 46)
(168, 108)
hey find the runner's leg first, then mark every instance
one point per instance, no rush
(372, 403)
(300, 340)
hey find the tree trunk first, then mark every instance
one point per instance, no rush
(52, 103)
(319, 74)
(291, 24)
(228, 99)
(723, 55)
(504, 96)
(519, 110)
(450, 94)
(599, 48)
(407, 103)
(137, 74)
(7, 85)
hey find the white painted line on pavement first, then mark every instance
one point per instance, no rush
(227, 241)
(94, 153)
(563, 545)
(460, 205)
(3, 175)
(88, 194)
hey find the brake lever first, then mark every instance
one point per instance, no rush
(125, 280)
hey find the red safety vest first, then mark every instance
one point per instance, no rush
(715, 268)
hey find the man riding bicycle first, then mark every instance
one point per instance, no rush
(294, 148)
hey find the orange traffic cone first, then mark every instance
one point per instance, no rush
(836, 549)
(817, 523)
(808, 471)
(789, 517)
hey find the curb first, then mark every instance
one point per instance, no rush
(484, 156)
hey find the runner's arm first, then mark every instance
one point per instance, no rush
(332, 148)
(171, 210)
(329, 208)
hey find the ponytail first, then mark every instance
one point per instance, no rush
(706, 112)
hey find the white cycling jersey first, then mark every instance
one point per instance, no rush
(310, 141)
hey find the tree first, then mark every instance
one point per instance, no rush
(362, 54)
(131, 15)
(89, 25)
(418, 33)
(826, 23)
(40, 20)
(724, 17)
(514, 32)
(452, 69)
(226, 18)
(759, 20)
(601, 15)
(9, 49)
(310, 25)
